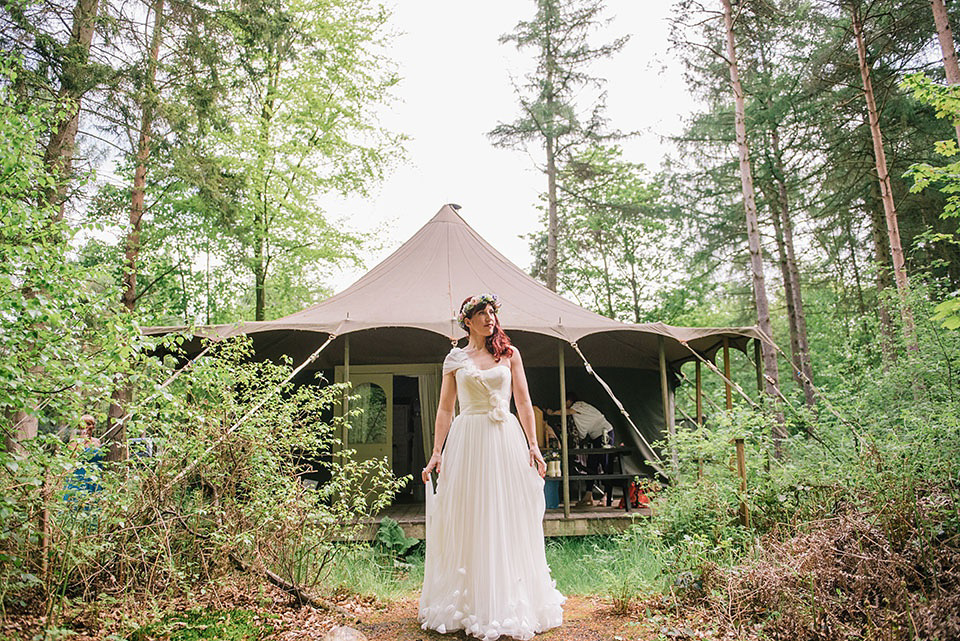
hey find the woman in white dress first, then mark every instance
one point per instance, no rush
(485, 570)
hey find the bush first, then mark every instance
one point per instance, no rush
(225, 489)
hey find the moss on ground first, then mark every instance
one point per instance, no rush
(225, 625)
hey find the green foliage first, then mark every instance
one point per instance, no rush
(60, 339)
(393, 540)
(226, 625)
(617, 235)
(230, 441)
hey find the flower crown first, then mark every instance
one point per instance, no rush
(472, 303)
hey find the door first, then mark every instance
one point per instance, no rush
(370, 432)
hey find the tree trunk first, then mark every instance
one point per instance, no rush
(261, 223)
(772, 378)
(881, 248)
(59, 153)
(886, 192)
(945, 36)
(552, 225)
(551, 149)
(121, 397)
(798, 317)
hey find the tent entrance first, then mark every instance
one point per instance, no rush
(398, 403)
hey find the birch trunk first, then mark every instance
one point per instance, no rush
(945, 36)
(886, 192)
(753, 229)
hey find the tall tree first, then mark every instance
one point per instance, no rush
(551, 115)
(945, 36)
(883, 175)
(772, 376)
(303, 75)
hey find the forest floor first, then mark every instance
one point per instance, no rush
(270, 614)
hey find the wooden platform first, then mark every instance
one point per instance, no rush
(582, 521)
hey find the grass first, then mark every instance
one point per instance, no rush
(604, 565)
(366, 569)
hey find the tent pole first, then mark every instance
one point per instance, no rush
(667, 416)
(726, 372)
(713, 368)
(564, 460)
(346, 397)
(757, 356)
(699, 377)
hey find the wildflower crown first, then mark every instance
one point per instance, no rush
(472, 303)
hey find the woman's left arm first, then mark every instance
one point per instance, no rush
(521, 396)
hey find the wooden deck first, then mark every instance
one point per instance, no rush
(583, 520)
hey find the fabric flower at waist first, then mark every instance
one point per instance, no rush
(499, 408)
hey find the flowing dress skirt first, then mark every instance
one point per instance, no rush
(486, 571)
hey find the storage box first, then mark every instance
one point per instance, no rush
(551, 492)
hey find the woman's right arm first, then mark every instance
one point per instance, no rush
(448, 396)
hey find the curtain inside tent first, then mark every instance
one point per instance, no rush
(429, 385)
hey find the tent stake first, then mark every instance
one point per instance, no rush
(565, 464)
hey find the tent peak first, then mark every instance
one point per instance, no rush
(448, 213)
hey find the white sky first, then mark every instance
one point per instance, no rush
(456, 86)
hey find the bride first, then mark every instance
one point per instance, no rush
(485, 570)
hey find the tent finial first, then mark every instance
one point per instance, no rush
(454, 206)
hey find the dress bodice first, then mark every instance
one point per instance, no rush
(480, 391)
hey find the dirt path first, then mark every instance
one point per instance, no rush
(584, 619)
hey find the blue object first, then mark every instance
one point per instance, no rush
(85, 477)
(551, 492)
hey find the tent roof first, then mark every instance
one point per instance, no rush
(422, 284)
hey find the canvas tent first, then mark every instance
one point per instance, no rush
(398, 322)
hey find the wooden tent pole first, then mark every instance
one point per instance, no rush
(564, 459)
(742, 473)
(726, 372)
(757, 361)
(699, 377)
(345, 430)
(667, 416)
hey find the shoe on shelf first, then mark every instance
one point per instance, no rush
(586, 500)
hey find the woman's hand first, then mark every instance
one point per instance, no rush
(536, 460)
(432, 464)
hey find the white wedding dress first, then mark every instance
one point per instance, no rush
(485, 570)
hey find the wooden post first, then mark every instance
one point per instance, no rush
(564, 462)
(667, 416)
(742, 473)
(757, 357)
(345, 437)
(699, 379)
(726, 372)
